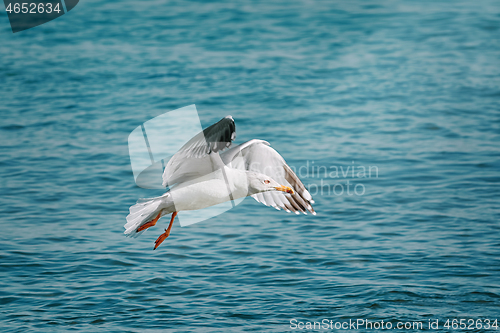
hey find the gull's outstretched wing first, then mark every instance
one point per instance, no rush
(200, 155)
(258, 156)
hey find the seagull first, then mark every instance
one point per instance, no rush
(206, 172)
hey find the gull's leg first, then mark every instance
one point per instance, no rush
(150, 223)
(166, 233)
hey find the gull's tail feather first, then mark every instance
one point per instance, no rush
(142, 212)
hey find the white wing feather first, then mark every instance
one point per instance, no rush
(200, 155)
(258, 156)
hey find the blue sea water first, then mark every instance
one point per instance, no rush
(409, 90)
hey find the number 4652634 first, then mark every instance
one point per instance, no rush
(32, 8)
(471, 324)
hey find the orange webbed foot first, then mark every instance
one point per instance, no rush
(164, 235)
(150, 223)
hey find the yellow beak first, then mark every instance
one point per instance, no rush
(285, 189)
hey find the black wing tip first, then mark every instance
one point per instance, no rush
(220, 135)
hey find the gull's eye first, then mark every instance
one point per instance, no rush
(266, 181)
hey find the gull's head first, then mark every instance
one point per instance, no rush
(259, 182)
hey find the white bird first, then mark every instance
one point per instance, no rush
(198, 176)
